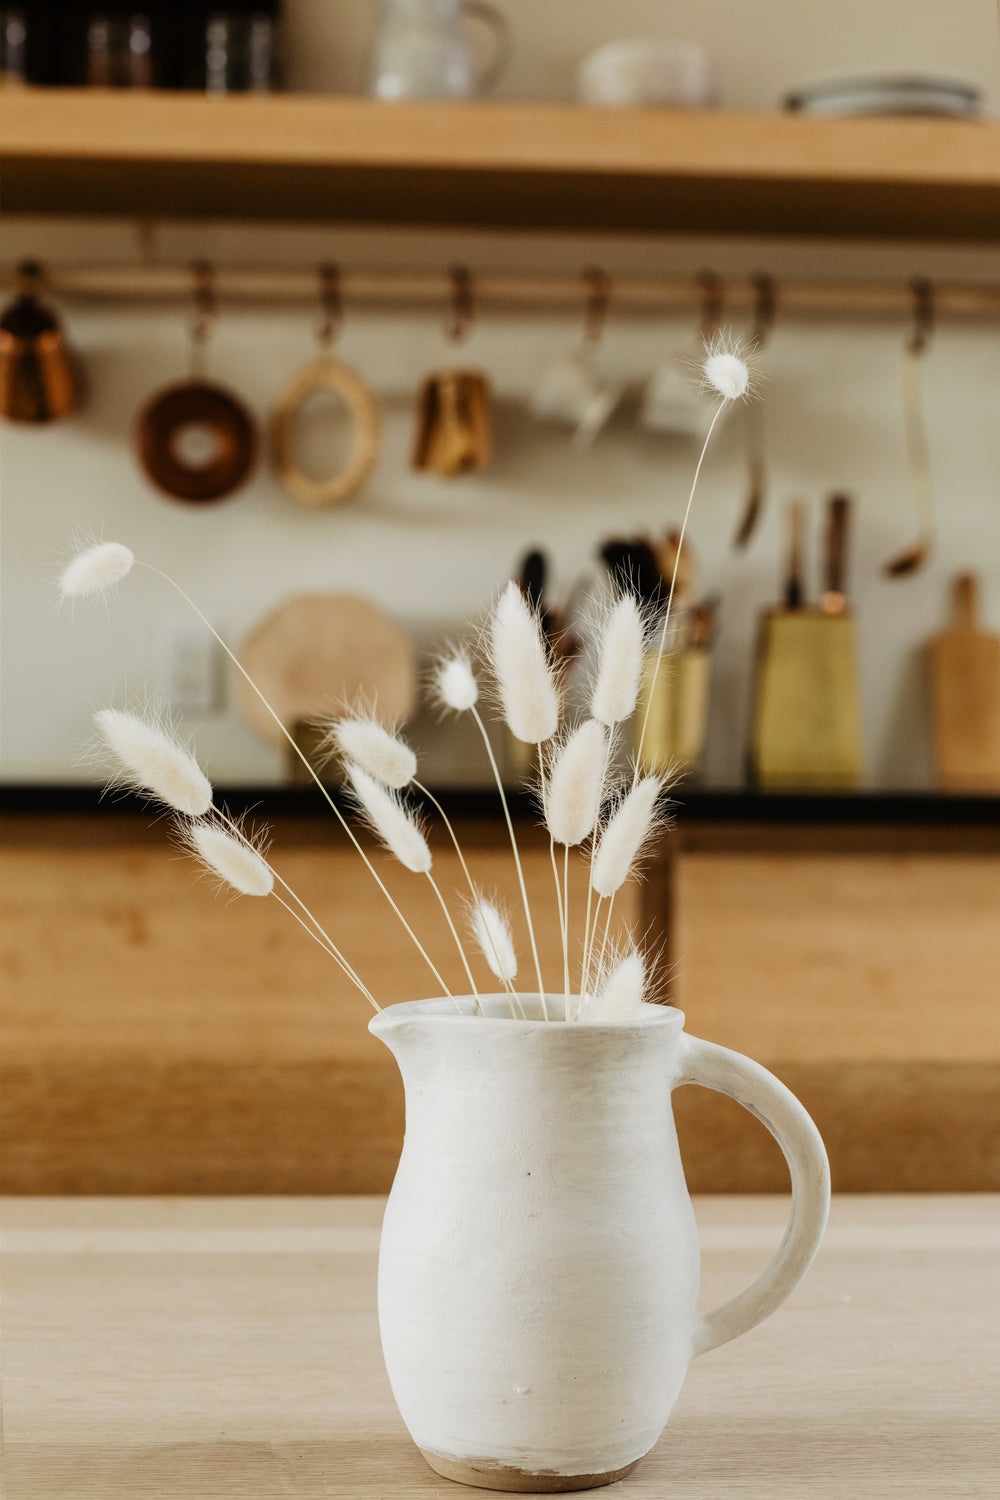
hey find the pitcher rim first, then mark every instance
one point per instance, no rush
(444, 1013)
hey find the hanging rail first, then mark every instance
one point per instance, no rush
(851, 299)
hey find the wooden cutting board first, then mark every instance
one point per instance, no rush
(319, 653)
(965, 698)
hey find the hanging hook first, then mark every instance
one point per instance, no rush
(598, 290)
(460, 323)
(331, 303)
(205, 312)
(923, 314)
(764, 308)
(710, 316)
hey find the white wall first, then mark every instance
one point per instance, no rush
(430, 552)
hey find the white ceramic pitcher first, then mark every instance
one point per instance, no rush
(539, 1265)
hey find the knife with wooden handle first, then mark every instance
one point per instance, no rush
(794, 587)
(834, 600)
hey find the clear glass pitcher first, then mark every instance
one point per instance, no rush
(538, 1270)
(422, 51)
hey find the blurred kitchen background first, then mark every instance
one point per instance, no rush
(865, 906)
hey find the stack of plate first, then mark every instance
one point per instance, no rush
(904, 94)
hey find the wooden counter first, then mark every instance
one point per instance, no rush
(200, 1348)
(159, 1040)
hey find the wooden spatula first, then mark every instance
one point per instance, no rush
(965, 698)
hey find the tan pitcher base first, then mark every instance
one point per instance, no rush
(485, 1475)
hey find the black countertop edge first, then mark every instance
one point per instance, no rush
(690, 805)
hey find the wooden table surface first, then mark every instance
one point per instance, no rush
(211, 1347)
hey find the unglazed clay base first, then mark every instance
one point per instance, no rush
(489, 1476)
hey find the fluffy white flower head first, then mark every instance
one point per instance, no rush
(526, 682)
(456, 684)
(151, 760)
(725, 371)
(95, 570)
(373, 747)
(576, 782)
(621, 996)
(492, 932)
(619, 671)
(233, 858)
(394, 823)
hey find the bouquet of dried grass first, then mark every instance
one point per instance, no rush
(584, 808)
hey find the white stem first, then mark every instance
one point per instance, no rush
(517, 858)
(305, 761)
(607, 933)
(587, 935)
(589, 955)
(473, 892)
(327, 939)
(670, 595)
(565, 925)
(328, 948)
(544, 791)
(458, 944)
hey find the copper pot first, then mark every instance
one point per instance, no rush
(40, 378)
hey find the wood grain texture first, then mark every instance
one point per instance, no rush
(157, 1039)
(533, 164)
(229, 1347)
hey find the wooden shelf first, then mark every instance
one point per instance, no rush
(497, 165)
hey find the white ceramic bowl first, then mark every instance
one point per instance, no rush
(645, 71)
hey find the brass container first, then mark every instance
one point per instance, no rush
(40, 378)
(676, 700)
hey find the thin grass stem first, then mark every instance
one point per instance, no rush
(670, 595)
(305, 761)
(587, 935)
(517, 858)
(473, 892)
(348, 968)
(328, 948)
(458, 944)
(565, 925)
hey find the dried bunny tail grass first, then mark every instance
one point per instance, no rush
(95, 568)
(152, 760)
(529, 694)
(726, 368)
(362, 739)
(576, 783)
(394, 823)
(627, 830)
(622, 640)
(454, 682)
(492, 933)
(619, 993)
(237, 859)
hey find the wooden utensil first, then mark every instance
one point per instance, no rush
(753, 417)
(794, 583)
(807, 719)
(317, 653)
(355, 397)
(965, 698)
(914, 557)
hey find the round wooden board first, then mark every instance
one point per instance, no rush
(317, 653)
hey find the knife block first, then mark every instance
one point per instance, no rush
(807, 720)
(678, 712)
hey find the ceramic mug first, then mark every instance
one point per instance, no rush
(571, 393)
(539, 1263)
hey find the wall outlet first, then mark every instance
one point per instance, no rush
(190, 674)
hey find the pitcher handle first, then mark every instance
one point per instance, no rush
(495, 22)
(761, 1093)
